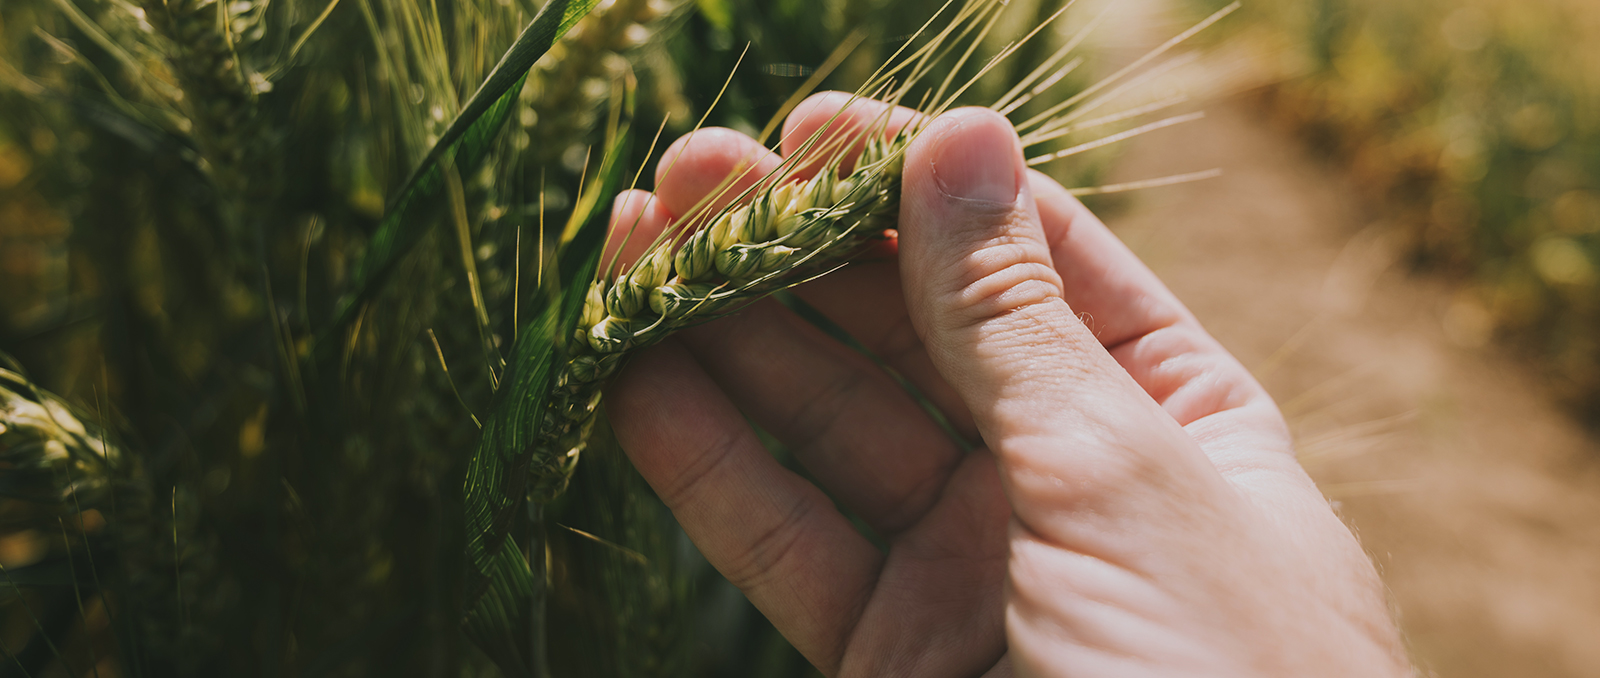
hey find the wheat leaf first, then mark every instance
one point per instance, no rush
(464, 145)
(499, 584)
(501, 592)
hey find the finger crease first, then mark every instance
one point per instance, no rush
(812, 422)
(900, 342)
(771, 547)
(701, 467)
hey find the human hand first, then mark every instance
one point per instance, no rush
(1134, 509)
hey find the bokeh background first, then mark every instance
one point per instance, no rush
(1404, 245)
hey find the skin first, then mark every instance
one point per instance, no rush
(1133, 506)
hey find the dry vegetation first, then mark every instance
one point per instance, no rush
(1475, 125)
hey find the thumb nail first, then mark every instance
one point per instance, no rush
(976, 160)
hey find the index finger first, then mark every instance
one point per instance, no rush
(842, 117)
(1103, 280)
(1137, 319)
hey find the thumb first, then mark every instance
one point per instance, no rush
(1073, 432)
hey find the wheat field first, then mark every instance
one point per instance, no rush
(304, 313)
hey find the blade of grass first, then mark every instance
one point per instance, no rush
(271, 73)
(77, 590)
(467, 141)
(492, 360)
(37, 625)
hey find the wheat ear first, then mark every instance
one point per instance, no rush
(216, 90)
(568, 86)
(781, 237)
(785, 231)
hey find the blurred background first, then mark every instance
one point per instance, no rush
(1404, 245)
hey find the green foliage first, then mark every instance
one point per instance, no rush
(463, 147)
(296, 504)
(1474, 126)
(290, 254)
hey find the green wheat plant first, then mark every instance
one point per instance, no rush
(339, 314)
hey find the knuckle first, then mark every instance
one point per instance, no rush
(1084, 475)
(1005, 274)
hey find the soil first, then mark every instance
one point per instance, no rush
(1476, 495)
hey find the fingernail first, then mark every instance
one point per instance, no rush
(976, 160)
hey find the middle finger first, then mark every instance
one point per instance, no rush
(847, 421)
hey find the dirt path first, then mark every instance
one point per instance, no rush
(1478, 499)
